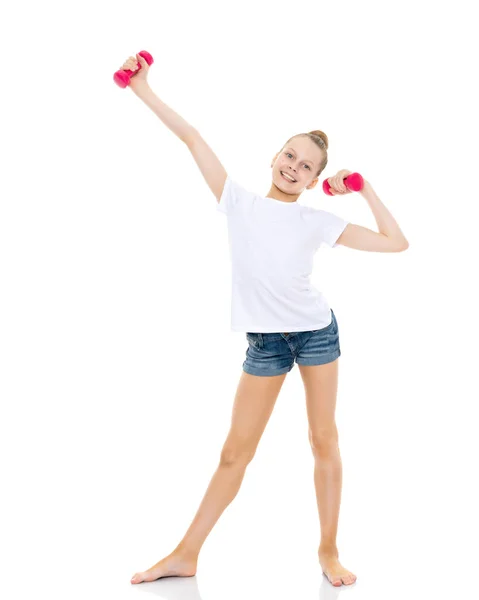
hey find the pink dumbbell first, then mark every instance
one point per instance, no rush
(122, 77)
(353, 182)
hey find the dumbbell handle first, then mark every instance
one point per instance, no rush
(354, 182)
(123, 76)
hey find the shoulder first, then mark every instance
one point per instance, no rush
(234, 195)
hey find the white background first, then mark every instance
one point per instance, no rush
(118, 367)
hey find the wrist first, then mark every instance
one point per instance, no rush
(140, 86)
(367, 187)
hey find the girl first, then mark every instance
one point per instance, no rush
(272, 242)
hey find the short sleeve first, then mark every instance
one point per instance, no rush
(328, 228)
(233, 196)
(228, 197)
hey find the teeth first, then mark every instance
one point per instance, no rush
(288, 176)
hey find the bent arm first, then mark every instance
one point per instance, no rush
(362, 238)
(386, 223)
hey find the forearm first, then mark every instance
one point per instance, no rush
(170, 118)
(386, 223)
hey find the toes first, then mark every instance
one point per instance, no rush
(338, 580)
(333, 580)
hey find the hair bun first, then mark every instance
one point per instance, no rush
(322, 135)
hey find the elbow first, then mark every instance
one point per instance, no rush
(404, 246)
(190, 137)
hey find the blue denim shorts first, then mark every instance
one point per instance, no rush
(275, 353)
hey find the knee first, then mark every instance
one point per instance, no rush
(235, 455)
(324, 442)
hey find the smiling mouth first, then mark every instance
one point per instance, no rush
(285, 178)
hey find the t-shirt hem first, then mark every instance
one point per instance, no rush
(285, 329)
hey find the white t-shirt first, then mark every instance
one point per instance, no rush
(272, 244)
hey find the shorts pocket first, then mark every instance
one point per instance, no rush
(254, 339)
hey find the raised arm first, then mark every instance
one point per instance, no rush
(207, 161)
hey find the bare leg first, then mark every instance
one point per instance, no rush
(254, 402)
(321, 384)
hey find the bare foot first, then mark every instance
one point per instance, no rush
(176, 564)
(333, 569)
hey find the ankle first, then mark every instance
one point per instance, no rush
(187, 551)
(328, 547)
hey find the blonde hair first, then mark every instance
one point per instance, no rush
(321, 140)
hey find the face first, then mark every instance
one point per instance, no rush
(300, 158)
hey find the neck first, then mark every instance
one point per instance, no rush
(277, 194)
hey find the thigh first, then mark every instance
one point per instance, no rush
(321, 386)
(253, 404)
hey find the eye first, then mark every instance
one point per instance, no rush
(289, 154)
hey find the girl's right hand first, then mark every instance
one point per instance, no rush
(140, 76)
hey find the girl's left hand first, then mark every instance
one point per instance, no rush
(337, 184)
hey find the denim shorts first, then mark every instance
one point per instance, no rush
(275, 353)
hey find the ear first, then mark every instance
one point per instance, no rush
(313, 184)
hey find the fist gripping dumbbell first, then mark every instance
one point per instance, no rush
(354, 182)
(122, 77)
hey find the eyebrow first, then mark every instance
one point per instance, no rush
(289, 148)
